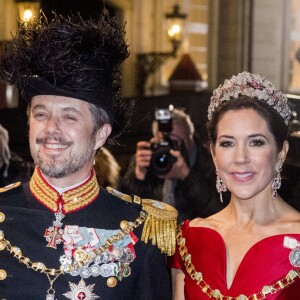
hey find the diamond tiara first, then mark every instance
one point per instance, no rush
(253, 86)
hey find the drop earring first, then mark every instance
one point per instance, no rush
(276, 183)
(220, 186)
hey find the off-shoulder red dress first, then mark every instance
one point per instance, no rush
(265, 263)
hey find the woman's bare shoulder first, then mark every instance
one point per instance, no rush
(213, 221)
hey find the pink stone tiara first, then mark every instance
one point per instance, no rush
(253, 86)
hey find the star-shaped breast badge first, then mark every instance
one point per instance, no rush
(81, 291)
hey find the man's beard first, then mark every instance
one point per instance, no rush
(73, 163)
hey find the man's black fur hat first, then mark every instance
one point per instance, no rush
(69, 57)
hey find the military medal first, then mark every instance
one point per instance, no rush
(81, 291)
(295, 257)
(54, 233)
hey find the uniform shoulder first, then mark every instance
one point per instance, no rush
(159, 222)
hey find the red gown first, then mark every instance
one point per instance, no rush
(265, 263)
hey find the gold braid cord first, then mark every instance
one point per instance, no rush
(160, 223)
(215, 293)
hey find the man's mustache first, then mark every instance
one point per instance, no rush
(51, 139)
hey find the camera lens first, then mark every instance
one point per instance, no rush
(161, 162)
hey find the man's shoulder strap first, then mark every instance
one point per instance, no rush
(10, 187)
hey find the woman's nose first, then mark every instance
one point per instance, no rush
(241, 154)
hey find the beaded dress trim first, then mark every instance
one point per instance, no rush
(215, 293)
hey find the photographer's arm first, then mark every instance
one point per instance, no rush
(142, 159)
(132, 182)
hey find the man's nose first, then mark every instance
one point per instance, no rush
(53, 124)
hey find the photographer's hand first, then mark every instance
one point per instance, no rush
(180, 169)
(142, 159)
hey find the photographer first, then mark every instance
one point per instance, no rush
(185, 178)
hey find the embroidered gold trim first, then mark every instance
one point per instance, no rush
(72, 200)
(215, 293)
(42, 191)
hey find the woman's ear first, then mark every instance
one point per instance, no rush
(212, 152)
(102, 135)
(283, 153)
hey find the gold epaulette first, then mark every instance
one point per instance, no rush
(10, 187)
(160, 223)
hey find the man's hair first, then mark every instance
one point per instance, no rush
(5, 152)
(180, 118)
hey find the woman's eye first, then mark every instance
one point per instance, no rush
(257, 142)
(226, 143)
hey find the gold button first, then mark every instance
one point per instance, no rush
(111, 282)
(2, 217)
(3, 274)
(124, 225)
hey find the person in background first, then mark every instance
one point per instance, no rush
(188, 184)
(250, 249)
(12, 167)
(107, 168)
(61, 231)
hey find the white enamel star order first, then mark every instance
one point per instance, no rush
(81, 291)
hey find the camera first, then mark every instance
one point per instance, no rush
(161, 160)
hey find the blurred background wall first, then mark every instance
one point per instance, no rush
(215, 39)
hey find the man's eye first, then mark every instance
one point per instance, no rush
(39, 115)
(70, 117)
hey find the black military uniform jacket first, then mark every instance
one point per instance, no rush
(24, 220)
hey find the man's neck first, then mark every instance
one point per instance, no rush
(69, 181)
(61, 190)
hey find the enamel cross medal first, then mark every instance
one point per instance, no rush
(54, 233)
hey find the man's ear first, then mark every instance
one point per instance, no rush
(102, 135)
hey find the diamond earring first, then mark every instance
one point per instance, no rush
(220, 186)
(276, 183)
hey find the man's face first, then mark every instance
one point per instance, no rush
(179, 134)
(62, 141)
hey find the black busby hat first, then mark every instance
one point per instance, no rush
(68, 57)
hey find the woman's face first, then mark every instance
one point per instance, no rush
(245, 153)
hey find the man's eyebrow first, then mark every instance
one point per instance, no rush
(37, 106)
(66, 109)
(72, 109)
